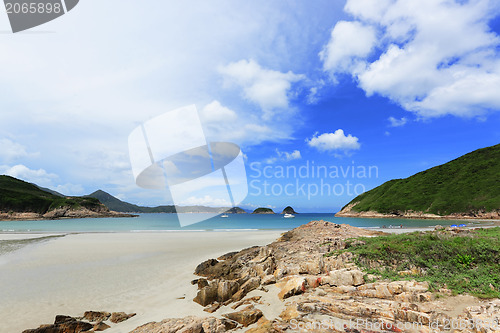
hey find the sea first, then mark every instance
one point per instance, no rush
(33, 232)
(164, 222)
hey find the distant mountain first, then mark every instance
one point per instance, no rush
(263, 210)
(50, 191)
(20, 200)
(121, 206)
(288, 210)
(468, 186)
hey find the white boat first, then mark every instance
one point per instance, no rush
(288, 216)
(224, 215)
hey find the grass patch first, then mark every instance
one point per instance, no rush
(464, 263)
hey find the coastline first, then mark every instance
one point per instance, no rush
(420, 216)
(15, 216)
(142, 272)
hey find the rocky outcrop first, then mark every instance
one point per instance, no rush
(63, 324)
(62, 213)
(118, 317)
(245, 317)
(90, 321)
(188, 324)
(314, 273)
(348, 211)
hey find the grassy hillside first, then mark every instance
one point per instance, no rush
(468, 184)
(19, 196)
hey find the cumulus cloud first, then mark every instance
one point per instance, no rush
(394, 122)
(336, 141)
(433, 65)
(214, 111)
(266, 87)
(350, 42)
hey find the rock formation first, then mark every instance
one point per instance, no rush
(288, 210)
(263, 210)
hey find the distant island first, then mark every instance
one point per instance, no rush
(118, 205)
(467, 187)
(263, 210)
(20, 200)
(288, 210)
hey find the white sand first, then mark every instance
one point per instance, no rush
(131, 272)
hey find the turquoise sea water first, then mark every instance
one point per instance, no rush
(168, 222)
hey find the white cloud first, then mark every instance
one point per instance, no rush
(10, 150)
(349, 43)
(214, 111)
(39, 177)
(294, 155)
(397, 122)
(268, 88)
(334, 141)
(206, 200)
(284, 156)
(221, 123)
(434, 64)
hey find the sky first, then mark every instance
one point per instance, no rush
(326, 99)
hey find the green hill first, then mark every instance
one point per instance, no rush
(20, 197)
(263, 210)
(121, 206)
(116, 204)
(468, 185)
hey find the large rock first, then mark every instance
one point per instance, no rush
(245, 317)
(292, 286)
(96, 315)
(251, 284)
(63, 325)
(188, 325)
(118, 317)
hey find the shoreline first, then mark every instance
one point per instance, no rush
(147, 273)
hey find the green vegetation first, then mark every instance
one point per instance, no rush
(467, 262)
(288, 210)
(262, 210)
(468, 184)
(19, 196)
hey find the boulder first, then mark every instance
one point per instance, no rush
(188, 325)
(96, 315)
(101, 327)
(66, 326)
(118, 317)
(206, 295)
(292, 286)
(245, 317)
(251, 284)
(269, 279)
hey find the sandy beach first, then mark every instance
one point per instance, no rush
(145, 273)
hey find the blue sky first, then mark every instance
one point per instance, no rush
(337, 84)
